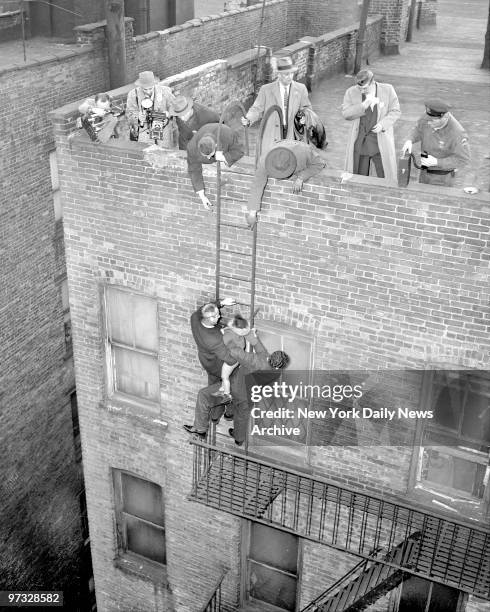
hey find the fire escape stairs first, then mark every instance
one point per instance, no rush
(371, 580)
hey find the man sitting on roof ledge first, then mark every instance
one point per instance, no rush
(286, 159)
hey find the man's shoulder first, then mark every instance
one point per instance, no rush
(456, 126)
(299, 86)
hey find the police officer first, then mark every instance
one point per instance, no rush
(443, 144)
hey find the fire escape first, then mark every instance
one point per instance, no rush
(394, 539)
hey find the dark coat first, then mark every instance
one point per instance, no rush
(202, 115)
(228, 143)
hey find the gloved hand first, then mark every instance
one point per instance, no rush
(428, 161)
(377, 128)
(298, 185)
(206, 203)
(220, 157)
(251, 219)
(245, 121)
(407, 147)
(227, 302)
(470, 190)
(141, 117)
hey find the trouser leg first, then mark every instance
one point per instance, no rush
(204, 403)
(259, 181)
(378, 164)
(363, 165)
(241, 415)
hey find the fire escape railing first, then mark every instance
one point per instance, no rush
(448, 551)
(213, 604)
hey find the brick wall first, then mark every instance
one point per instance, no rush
(428, 12)
(319, 16)
(335, 52)
(395, 13)
(40, 532)
(378, 274)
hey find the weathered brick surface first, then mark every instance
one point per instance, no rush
(36, 439)
(395, 14)
(383, 277)
(316, 17)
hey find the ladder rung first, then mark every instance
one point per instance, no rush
(239, 278)
(234, 225)
(235, 252)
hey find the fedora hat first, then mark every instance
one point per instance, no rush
(285, 64)
(280, 162)
(146, 80)
(181, 105)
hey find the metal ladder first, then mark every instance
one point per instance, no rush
(220, 224)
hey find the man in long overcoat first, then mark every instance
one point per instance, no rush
(373, 108)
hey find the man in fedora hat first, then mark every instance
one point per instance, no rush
(190, 117)
(286, 159)
(211, 143)
(443, 144)
(284, 92)
(373, 109)
(149, 94)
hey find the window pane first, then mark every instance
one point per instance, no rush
(448, 397)
(476, 419)
(272, 587)
(415, 592)
(145, 323)
(443, 598)
(119, 315)
(145, 539)
(136, 374)
(455, 472)
(274, 547)
(142, 498)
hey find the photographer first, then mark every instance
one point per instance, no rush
(147, 102)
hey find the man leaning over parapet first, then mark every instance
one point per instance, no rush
(204, 148)
(286, 159)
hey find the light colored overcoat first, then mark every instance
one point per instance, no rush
(270, 95)
(388, 113)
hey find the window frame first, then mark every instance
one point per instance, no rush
(473, 505)
(246, 535)
(113, 392)
(120, 518)
(300, 449)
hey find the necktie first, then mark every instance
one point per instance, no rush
(286, 101)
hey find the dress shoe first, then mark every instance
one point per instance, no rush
(201, 435)
(231, 432)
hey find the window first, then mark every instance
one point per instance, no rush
(76, 427)
(272, 567)
(55, 186)
(419, 595)
(299, 347)
(66, 317)
(139, 517)
(132, 345)
(454, 455)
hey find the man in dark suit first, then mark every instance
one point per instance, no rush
(190, 117)
(212, 143)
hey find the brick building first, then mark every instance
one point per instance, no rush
(38, 392)
(352, 276)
